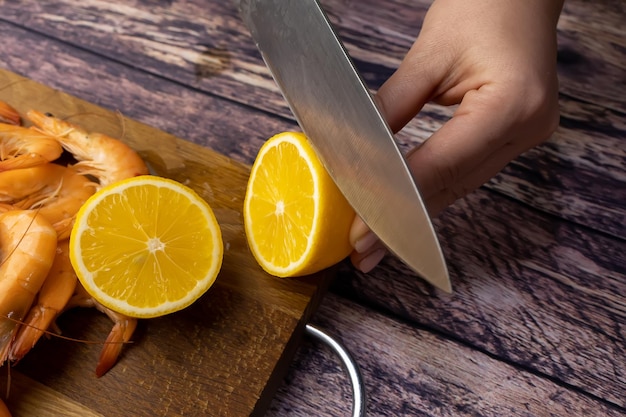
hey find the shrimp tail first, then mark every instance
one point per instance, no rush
(53, 296)
(120, 334)
(38, 320)
(9, 115)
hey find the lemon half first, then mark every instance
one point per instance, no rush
(146, 246)
(297, 221)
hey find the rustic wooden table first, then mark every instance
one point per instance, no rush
(536, 324)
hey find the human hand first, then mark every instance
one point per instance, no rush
(496, 59)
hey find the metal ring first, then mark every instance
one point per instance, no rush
(358, 387)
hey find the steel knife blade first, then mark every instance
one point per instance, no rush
(338, 114)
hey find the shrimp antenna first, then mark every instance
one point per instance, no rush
(120, 116)
(60, 336)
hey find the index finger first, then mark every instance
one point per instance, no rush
(484, 134)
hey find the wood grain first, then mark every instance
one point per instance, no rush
(537, 255)
(410, 371)
(225, 354)
(28, 398)
(206, 47)
(530, 289)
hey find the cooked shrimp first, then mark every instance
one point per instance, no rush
(52, 298)
(122, 330)
(27, 248)
(4, 207)
(99, 155)
(8, 114)
(56, 191)
(22, 147)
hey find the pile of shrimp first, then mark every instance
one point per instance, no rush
(39, 198)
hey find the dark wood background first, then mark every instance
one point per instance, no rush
(536, 325)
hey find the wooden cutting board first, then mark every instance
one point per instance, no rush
(222, 356)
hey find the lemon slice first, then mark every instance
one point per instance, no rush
(146, 246)
(297, 221)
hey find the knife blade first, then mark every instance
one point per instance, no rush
(336, 111)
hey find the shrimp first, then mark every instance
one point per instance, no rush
(4, 207)
(56, 191)
(122, 330)
(105, 158)
(62, 291)
(52, 298)
(9, 115)
(22, 147)
(27, 248)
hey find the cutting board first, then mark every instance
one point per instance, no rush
(222, 356)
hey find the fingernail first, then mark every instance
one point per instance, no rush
(363, 244)
(370, 261)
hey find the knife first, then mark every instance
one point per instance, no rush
(336, 111)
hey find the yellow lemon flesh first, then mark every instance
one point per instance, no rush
(146, 246)
(297, 221)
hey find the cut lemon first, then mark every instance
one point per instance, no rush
(297, 221)
(146, 246)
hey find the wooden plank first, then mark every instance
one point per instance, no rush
(472, 271)
(429, 376)
(208, 39)
(227, 352)
(28, 397)
(592, 68)
(230, 129)
(569, 175)
(530, 289)
(204, 45)
(534, 311)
